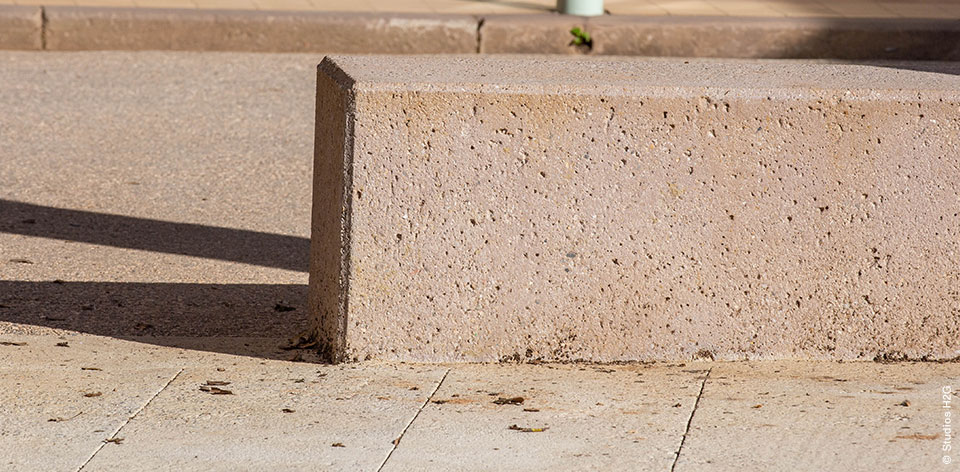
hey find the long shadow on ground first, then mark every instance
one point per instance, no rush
(170, 314)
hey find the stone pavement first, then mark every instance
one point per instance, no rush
(92, 403)
(154, 215)
(757, 8)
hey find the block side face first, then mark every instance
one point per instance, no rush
(779, 38)
(515, 34)
(492, 226)
(329, 256)
(20, 27)
(70, 28)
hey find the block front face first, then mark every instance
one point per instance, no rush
(489, 225)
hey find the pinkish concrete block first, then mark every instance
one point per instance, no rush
(491, 208)
(20, 27)
(82, 28)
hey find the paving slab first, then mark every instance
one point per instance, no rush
(594, 417)
(62, 402)
(824, 416)
(285, 416)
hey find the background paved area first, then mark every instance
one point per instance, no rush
(761, 8)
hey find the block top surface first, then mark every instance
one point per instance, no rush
(626, 75)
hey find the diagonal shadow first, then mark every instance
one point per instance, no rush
(241, 319)
(226, 244)
(228, 318)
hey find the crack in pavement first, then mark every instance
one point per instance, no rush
(125, 422)
(690, 420)
(396, 442)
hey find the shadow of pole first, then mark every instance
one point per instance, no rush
(226, 244)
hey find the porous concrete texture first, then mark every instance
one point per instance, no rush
(794, 38)
(73, 28)
(481, 209)
(20, 27)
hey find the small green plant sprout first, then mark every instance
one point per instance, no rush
(580, 37)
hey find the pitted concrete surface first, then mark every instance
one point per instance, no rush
(606, 210)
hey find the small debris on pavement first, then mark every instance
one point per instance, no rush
(11, 343)
(758, 405)
(439, 402)
(531, 410)
(526, 430)
(509, 401)
(113, 440)
(213, 387)
(61, 419)
(904, 403)
(299, 381)
(677, 405)
(306, 340)
(92, 394)
(141, 326)
(927, 437)
(21, 261)
(337, 444)
(414, 388)
(287, 410)
(90, 368)
(63, 344)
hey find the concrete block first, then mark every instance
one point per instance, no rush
(497, 208)
(796, 38)
(20, 27)
(529, 34)
(71, 28)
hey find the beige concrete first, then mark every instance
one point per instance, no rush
(284, 415)
(850, 416)
(542, 208)
(853, 30)
(511, 34)
(605, 418)
(798, 38)
(188, 429)
(70, 29)
(20, 27)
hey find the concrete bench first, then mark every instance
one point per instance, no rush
(523, 208)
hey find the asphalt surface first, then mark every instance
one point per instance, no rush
(155, 194)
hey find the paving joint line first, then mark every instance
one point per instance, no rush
(396, 442)
(130, 418)
(43, 28)
(690, 420)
